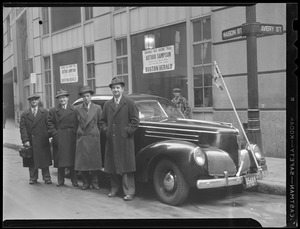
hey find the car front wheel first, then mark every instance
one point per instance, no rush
(169, 183)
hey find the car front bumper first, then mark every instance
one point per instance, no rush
(228, 181)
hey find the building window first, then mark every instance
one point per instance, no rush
(88, 11)
(202, 63)
(26, 94)
(118, 8)
(63, 17)
(90, 66)
(122, 63)
(8, 29)
(48, 82)
(45, 20)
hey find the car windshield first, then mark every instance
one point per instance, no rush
(172, 111)
(152, 109)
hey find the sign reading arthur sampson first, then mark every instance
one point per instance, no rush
(68, 73)
(159, 59)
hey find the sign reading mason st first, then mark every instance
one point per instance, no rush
(232, 32)
(265, 29)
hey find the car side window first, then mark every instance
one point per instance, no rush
(150, 110)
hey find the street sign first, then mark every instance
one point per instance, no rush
(32, 78)
(232, 32)
(257, 28)
(271, 29)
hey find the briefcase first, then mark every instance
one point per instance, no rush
(26, 151)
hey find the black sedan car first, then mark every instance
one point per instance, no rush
(177, 154)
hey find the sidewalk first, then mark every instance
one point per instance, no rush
(273, 183)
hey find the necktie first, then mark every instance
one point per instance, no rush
(117, 103)
(34, 112)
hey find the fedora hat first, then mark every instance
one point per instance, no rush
(116, 80)
(61, 92)
(33, 96)
(86, 89)
(176, 90)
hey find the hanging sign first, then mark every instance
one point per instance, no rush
(159, 59)
(68, 73)
(32, 78)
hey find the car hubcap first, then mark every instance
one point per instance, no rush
(169, 182)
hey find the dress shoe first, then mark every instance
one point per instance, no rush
(95, 186)
(84, 187)
(112, 194)
(128, 197)
(59, 184)
(32, 182)
(48, 182)
(75, 184)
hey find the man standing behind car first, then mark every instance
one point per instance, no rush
(61, 127)
(181, 102)
(33, 130)
(120, 119)
(88, 158)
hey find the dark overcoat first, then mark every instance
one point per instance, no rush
(34, 130)
(119, 126)
(61, 127)
(88, 146)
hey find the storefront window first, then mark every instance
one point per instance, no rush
(202, 64)
(160, 79)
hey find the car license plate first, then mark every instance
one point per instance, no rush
(250, 181)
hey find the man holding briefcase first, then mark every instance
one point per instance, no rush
(33, 130)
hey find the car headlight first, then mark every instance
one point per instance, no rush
(199, 156)
(256, 151)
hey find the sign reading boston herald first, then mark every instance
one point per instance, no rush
(68, 73)
(159, 59)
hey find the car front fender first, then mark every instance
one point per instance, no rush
(180, 152)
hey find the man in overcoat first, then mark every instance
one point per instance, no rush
(33, 130)
(120, 119)
(88, 158)
(61, 127)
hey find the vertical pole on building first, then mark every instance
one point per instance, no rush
(254, 131)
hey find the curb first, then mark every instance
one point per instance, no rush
(11, 146)
(263, 186)
(271, 187)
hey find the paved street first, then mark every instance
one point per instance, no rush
(41, 201)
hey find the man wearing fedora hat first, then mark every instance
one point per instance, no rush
(33, 130)
(88, 158)
(181, 102)
(61, 127)
(120, 119)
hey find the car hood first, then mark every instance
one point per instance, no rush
(198, 125)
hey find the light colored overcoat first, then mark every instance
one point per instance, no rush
(34, 130)
(88, 146)
(119, 125)
(61, 127)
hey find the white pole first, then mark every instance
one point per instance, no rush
(254, 158)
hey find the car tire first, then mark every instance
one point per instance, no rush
(169, 183)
